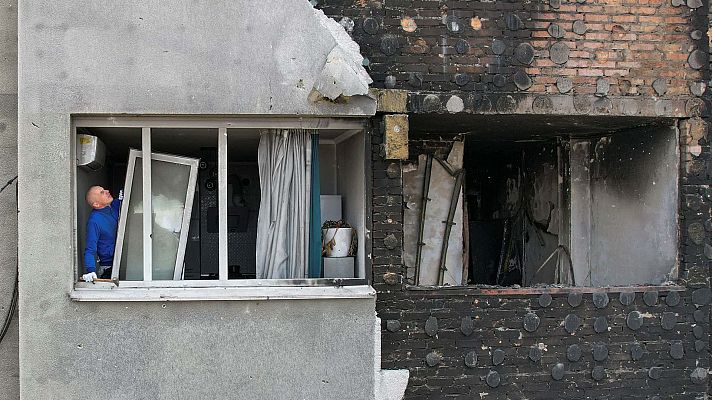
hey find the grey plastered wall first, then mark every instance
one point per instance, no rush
(9, 370)
(168, 58)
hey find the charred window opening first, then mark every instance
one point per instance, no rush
(512, 198)
(571, 209)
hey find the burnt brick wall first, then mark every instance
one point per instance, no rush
(440, 46)
(452, 339)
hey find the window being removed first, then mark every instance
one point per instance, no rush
(580, 211)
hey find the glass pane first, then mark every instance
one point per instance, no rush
(132, 251)
(169, 186)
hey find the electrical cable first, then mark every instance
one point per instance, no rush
(13, 300)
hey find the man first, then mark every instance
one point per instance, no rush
(101, 233)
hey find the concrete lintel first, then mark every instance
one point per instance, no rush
(554, 104)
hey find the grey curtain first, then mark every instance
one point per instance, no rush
(283, 221)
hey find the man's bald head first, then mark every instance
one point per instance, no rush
(98, 197)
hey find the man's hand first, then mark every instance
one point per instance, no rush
(121, 194)
(90, 277)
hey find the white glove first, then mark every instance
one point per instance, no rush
(121, 194)
(89, 277)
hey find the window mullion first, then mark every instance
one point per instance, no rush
(147, 206)
(222, 203)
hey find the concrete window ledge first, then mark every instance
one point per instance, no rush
(109, 292)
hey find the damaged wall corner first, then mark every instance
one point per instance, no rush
(343, 73)
(395, 139)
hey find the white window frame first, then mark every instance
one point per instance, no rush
(222, 288)
(147, 223)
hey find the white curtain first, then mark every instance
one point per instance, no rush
(283, 221)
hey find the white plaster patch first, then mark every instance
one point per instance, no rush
(343, 73)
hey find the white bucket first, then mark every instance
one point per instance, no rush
(341, 240)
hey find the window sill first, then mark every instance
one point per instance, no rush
(511, 291)
(109, 292)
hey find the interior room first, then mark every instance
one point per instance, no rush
(340, 157)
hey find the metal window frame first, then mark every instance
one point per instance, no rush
(147, 222)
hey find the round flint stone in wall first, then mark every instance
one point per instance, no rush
(634, 320)
(573, 353)
(455, 104)
(452, 23)
(506, 104)
(391, 242)
(467, 326)
(697, 59)
(699, 376)
(602, 87)
(564, 84)
(557, 372)
(492, 379)
(694, 4)
(630, 106)
(542, 105)
(600, 325)
(677, 3)
(524, 53)
(431, 103)
(574, 299)
(579, 27)
(431, 326)
(389, 45)
(497, 357)
(535, 353)
(462, 79)
(559, 53)
(531, 322)
(545, 300)
(571, 323)
(694, 107)
(433, 359)
(698, 88)
(701, 297)
(555, 3)
(598, 373)
(471, 359)
(654, 373)
(390, 82)
(699, 316)
(696, 34)
(415, 80)
(672, 299)
(522, 80)
(370, 26)
(660, 86)
(582, 104)
(636, 351)
(499, 80)
(700, 345)
(556, 31)
(668, 320)
(498, 47)
(600, 351)
(698, 331)
(650, 298)
(393, 325)
(677, 351)
(626, 298)
(462, 47)
(514, 23)
(600, 300)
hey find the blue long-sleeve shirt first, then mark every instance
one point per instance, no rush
(101, 235)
